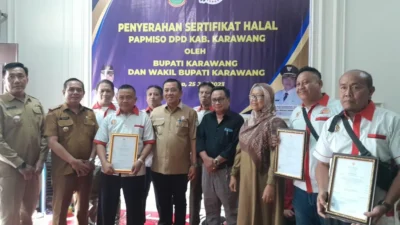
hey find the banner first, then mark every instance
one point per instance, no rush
(232, 43)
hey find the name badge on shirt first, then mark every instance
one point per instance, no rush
(64, 118)
(11, 107)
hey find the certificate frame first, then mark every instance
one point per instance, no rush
(277, 172)
(371, 189)
(134, 137)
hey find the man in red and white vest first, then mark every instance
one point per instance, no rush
(378, 130)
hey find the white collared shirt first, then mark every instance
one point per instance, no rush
(101, 113)
(291, 99)
(201, 113)
(149, 159)
(135, 123)
(379, 132)
(318, 115)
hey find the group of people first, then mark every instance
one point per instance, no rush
(227, 160)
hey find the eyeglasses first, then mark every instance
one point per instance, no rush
(256, 97)
(217, 100)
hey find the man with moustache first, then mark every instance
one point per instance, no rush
(377, 129)
(23, 148)
(154, 99)
(102, 108)
(127, 120)
(315, 110)
(204, 108)
(217, 139)
(70, 129)
(174, 161)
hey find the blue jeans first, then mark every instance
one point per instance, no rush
(305, 208)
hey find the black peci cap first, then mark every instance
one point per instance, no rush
(289, 70)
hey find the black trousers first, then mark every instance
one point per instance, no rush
(167, 187)
(147, 189)
(133, 188)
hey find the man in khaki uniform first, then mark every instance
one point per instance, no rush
(23, 148)
(70, 129)
(174, 160)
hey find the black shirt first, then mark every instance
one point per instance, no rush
(219, 139)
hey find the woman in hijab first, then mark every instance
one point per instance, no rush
(260, 193)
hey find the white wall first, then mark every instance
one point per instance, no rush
(54, 43)
(358, 34)
(3, 25)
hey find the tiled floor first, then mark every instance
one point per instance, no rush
(151, 212)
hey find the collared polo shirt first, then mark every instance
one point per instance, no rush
(201, 112)
(135, 123)
(149, 159)
(378, 130)
(101, 113)
(75, 133)
(174, 131)
(318, 114)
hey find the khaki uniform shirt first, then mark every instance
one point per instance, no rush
(75, 133)
(174, 131)
(21, 132)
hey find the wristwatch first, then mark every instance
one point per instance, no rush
(387, 206)
(216, 162)
(195, 165)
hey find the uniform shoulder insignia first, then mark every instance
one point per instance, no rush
(54, 108)
(86, 108)
(30, 96)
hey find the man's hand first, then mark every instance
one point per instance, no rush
(269, 194)
(209, 163)
(321, 203)
(288, 213)
(81, 168)
(233, 184)
(107, 168)
(275, 141)
(27, 172)
(136, 167)
(90, 164)
(192, 173)
(39, 167)
(376, 214)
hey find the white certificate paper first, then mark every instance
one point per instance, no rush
(352, 188)
(123, 152)
(290, 154)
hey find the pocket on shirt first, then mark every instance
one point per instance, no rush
(90, 127)
(377, 136)
(228, 136)
(65, 127)
(13, 118)
(158, 126)
(37, 111)
(182, 127)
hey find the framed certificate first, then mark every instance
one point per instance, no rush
(123, 151)
(352, 187)
(290, 152)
